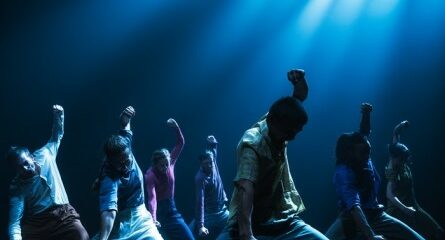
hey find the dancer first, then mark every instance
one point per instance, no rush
(160, 184)
(265, 203)
(121, 190)
(402, 202)
(211, 213)
(39, 206)
(357, 184)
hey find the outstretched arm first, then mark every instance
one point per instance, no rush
(398, 130)
(246, 191)
(199, 208)
(360, 220)
(390, 195)
(151, 197)
(298, 80)
(106, 223)
(174, 154)
(365, 123)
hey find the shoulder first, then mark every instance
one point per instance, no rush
(149, 174)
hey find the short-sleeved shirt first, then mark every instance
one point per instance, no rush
(261, 162)
(403, 185)
(354, 190)
(122, 192)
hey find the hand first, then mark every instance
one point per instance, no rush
(211, 139)
(366, 108)
(172, 122)
(401, 126)
(378, 237)
(127, 115)
(301, 89)
(203, 231)
(295, 75)
(158, 224)
(57, 110)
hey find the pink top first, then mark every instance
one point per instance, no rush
(162, 186)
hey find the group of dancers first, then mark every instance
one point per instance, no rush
(264, 204)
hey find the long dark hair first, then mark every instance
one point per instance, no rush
(345, 146)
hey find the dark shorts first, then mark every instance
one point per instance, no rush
(58, 222)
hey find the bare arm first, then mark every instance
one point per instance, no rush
(396, 201)
(106, 223)
(365, 123)
(360, 220)
(125, 118)
(246, 190)
(179, 141)
(398, 130)
(297, 78)
(58, 122)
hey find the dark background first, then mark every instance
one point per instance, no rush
(216, 67)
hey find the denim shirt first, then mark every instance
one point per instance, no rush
(210, 194)
(31, 196)
(119, 193)
(351, 193)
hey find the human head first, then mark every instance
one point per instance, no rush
(399, 153)
(22, 160)
(118, 153)
(285, 119)
(161, 160)
(207, 161)
(353, 149)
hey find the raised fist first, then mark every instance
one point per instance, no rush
(366, 108)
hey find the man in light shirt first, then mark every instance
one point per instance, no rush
(39, 206)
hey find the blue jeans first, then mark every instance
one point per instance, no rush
(214, 222)
(173, 226)
(381, 223)
(293, 228)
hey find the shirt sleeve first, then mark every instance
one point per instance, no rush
(128, 134)
(16, 204)
(345, 185)
(151, 194)
(247, 165)
(108, 194)
(199, 204)
(176, 151)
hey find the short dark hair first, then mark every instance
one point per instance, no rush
(115, 145)
(287, 109)
(158, 155)
(14, 152)
(345, 144)
(399, 150)
(205, 155)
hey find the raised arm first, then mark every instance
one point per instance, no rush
(174, 154)
(16, 206)
(298, 80)
(398, 130)
(58, 120)
(125, 118)
(212, 145)
(365, 123)
(151, 196)
(106, 223)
